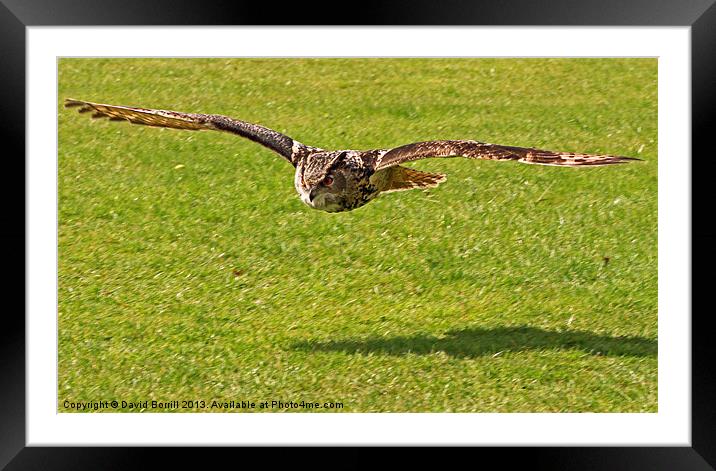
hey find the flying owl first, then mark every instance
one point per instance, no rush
(343, 180)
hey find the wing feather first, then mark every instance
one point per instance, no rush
(483, 150)
(283, 145)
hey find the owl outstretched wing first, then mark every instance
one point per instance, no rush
(283, 145)
(483, 150)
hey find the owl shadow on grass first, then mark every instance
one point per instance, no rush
(479, 342)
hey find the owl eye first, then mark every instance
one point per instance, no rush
(328, 181)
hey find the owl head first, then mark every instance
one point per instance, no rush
(321, 181)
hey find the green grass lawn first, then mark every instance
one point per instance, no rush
(190, 269)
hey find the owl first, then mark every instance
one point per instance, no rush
(343, 180)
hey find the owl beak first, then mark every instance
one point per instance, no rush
(312, 194)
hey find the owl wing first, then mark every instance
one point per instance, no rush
(283, 145)
(483, 150)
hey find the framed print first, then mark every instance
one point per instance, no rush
(377, 240)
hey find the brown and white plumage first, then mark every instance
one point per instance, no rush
(483, 150)
(343, 180)
(277, 142)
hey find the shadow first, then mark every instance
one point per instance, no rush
(478, 342)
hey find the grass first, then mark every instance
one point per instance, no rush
(190, 269)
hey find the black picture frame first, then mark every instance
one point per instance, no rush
(700, 15)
